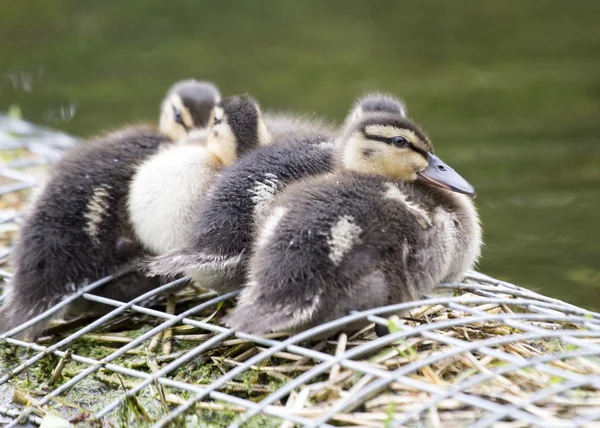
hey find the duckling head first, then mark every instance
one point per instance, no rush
(238, 128)
(188, 109)
(375, 102)
(379, 138)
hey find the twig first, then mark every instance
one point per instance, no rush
(155, 341)
(153, 365)
(59, 368)
(339, 351)
(108, 338)
(168, 336)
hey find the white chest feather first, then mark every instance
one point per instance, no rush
(463, 237)
(165, 195)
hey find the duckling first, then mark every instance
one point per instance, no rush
(386, 226)
(169, 187)
(218, 245)
(77, 230)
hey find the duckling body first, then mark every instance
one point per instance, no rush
(373, 232)
(168, 189)
(217, 249)
(77, 230)
(330, 246)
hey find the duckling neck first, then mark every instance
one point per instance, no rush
(218, 161)
(222, 154)
(442, 197)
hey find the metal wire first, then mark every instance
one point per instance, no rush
(489, 352)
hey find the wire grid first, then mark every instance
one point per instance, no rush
(482, 353)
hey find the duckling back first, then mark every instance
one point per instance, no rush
(70, 235)
(352, 242)
(219, 243)
(281, 125)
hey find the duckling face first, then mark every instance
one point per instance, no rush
(396, 148)
(238, 128)
(382, 144)
(188, 108)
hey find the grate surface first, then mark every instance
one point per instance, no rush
(480, 353)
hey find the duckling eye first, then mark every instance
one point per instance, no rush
(217, 121)
(399, 142)
(178, 117)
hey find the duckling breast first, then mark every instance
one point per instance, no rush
(165, 195)
(468, 237)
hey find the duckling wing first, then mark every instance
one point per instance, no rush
(181, 260)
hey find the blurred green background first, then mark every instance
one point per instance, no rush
(508, 90)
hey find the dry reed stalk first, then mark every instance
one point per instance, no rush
(168, 335)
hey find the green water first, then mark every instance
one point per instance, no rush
(508, 90)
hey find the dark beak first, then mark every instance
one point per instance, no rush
(441, 175)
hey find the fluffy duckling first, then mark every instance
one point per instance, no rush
(386, 227)
(218, 245)
(168, 189)
(77, 230)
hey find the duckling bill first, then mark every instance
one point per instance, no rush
(78, 230)
(390, 223)
(439, 174)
